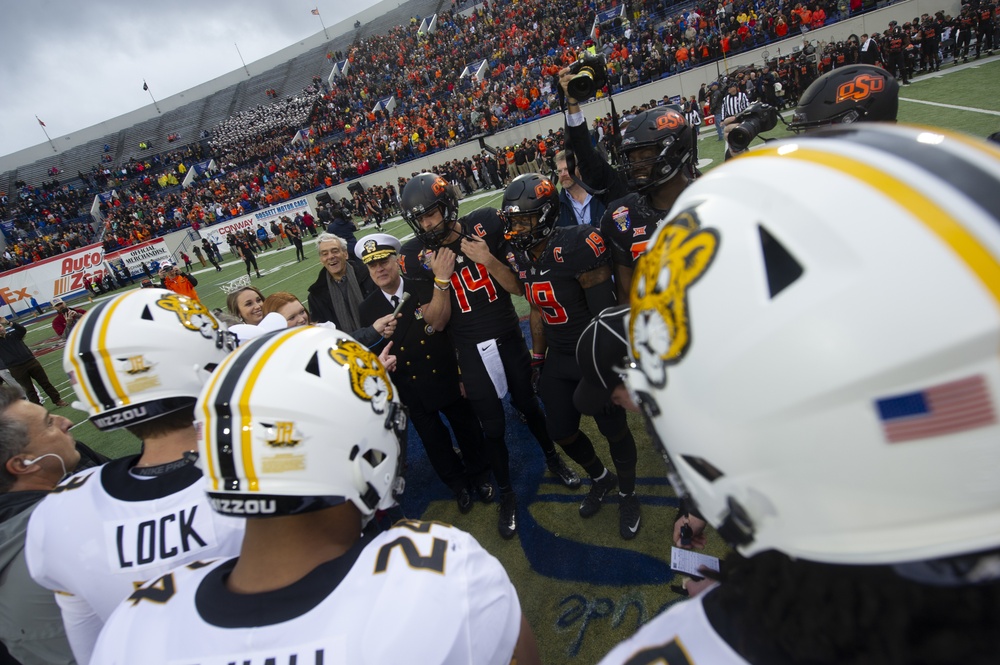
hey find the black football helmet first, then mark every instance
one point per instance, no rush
(420, 196)
(664, 129)
(529, 199)
(854, 93)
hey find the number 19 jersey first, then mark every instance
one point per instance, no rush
(420, 592)
(552, 282)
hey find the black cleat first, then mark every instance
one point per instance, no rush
(628, 516)
(507, 521)
(566, 475)
(486, 492)
(598, 490)
(464, 500)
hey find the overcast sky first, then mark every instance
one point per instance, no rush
(74, 64)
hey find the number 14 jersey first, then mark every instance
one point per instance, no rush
(480, 308)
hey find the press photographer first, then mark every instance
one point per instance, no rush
(856, 93)
(66, 317)
(747, 125)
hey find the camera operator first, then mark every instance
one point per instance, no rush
(66, 317)
(734, 103)
(874, 96)
(656, 150)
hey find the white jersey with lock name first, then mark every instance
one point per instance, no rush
(103, 532)
(682, 635)
(421, 592)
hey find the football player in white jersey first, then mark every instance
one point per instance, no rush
(820, 362)
(299, 431)
(136, 361)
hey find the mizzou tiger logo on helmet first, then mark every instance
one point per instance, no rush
(660, 327)
(191, 313)
(369, 380)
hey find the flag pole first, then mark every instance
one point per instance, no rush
(316, 12)
(241, 59)
(146, 88)
(44, 131)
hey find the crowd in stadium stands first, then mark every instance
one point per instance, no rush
(248, 125)
(524, 45)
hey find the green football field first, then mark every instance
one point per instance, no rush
(582, 588)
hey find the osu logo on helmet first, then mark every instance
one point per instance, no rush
(671, 120)
(439, 186)
(860, 87)
(544, 188)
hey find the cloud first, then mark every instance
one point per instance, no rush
(75, 64)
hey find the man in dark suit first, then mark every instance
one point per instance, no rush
(426, 374)
(337, 293)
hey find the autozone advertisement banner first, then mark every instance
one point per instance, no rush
(217, 234)
(135, 256)
(63, 275)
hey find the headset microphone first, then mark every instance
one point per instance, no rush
(41, 457)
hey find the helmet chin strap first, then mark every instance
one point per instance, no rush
(36, 460)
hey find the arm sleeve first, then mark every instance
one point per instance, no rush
(82, 624)
(193, 280)
(600, 297)
(367, 336)
(594, 171)
(494, 610)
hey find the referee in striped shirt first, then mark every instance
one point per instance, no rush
(732, 105)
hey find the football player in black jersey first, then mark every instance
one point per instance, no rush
(657, 147)
(461, 284)
(566, 276)
(657, 150)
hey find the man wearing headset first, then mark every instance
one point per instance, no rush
(36, 452)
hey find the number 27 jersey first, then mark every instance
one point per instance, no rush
(420, 592)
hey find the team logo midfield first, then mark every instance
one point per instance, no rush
(368, 377)
(191, 313)
(660, 328)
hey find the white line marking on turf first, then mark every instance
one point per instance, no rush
(950, 106)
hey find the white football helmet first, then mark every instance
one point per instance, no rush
(815, 339)
(298, 420)
(141, 355)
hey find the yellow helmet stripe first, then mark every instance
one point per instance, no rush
(936, 219)
(82, 380)
(208, 431)
(246, 433)
(102, 346)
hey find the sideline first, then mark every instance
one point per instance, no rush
(952, 68)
